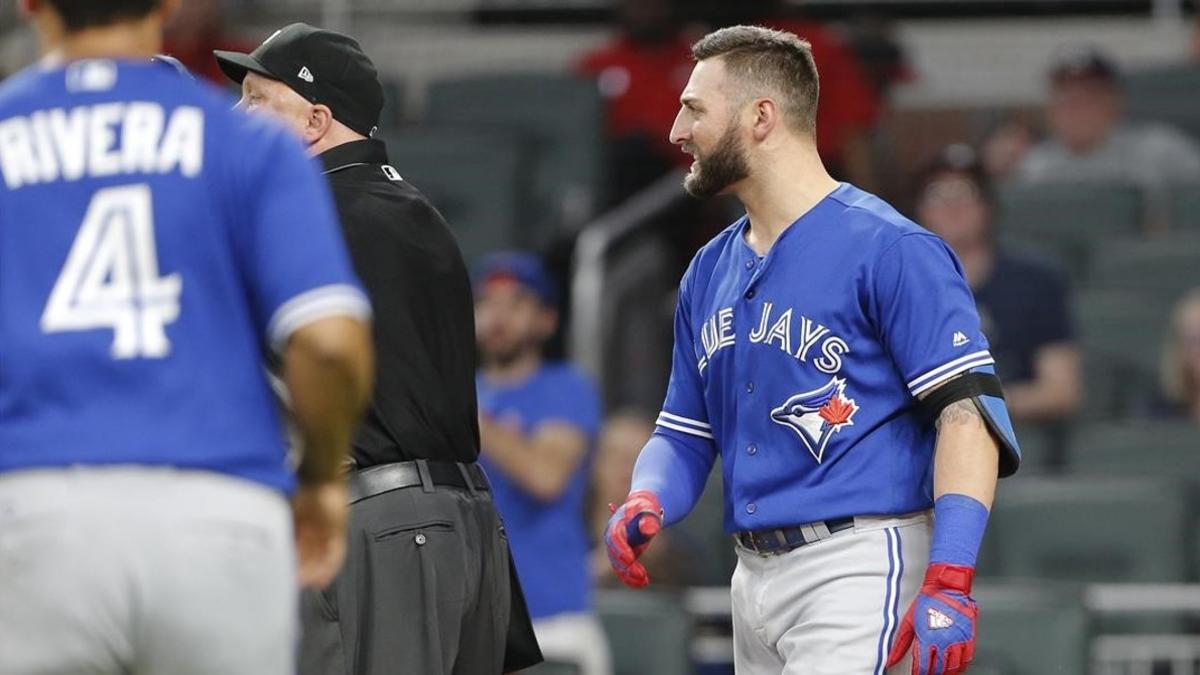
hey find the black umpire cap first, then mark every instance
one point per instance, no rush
(322, 66)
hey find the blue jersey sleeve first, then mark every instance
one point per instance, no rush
(925, 313)
(676, 462)
(289, 242)
(684, 414)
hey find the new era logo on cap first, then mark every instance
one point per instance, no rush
(960, 338)
(937, 620)
(305, 74)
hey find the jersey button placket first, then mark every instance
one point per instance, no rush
(751, 280)
(751, 508)
(751, 449)
(749, 387)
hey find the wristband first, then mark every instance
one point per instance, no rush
(958, 525)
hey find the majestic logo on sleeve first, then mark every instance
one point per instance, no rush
(818, 414)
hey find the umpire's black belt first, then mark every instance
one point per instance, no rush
(427, 474)
(784, 539)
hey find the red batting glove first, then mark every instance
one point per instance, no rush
(628, 533)
(940, 624)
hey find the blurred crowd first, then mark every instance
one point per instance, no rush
(643, 67)
(1025, 298)
(558, 460)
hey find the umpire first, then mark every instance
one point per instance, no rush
(428, 586)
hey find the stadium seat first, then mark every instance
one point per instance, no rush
(472, 177)
(1090, 529)
(1121, 334)
(1165, 449)
(1030, 628)
(392, 116)
(553, 668)
(559, 116)
(1184, 207)
(989, 669)
(1158, 95)
(1115, 322)
(1102, 394)
(1041, 446)
(648, 632)
(704, 528)
(1161, 268)
(1065, 219)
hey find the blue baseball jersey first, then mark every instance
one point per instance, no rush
(802, 368)
(549, 539)
(153, 243)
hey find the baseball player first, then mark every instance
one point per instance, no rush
(154, 244)
(829, 350)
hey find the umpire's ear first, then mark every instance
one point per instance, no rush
(320, 121)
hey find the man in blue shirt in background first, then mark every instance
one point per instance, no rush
(538, 423)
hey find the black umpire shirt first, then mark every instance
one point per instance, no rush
(424, 322)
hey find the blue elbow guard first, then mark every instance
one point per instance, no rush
(983, 387)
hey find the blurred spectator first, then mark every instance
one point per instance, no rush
(640, 73)
(538, 423)
(192, 34)
(668, 561)
(1196, 38)
(1089, 140)
(1181, 360)
(642, 70)
(882, 57)
(1004, 149)
(885, 63)
(1023, 304)
(850, 106)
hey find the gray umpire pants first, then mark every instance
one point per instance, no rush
(425, 590)
(146, 571)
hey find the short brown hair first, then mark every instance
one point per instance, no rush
(766, 58)
(80, 14)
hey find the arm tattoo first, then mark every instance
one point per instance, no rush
(959, 412)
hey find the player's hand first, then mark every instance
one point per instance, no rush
(629, 531)
(320, 511)
(940, 624)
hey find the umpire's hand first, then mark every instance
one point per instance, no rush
(320, 512)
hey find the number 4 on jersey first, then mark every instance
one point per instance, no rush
(110, 279)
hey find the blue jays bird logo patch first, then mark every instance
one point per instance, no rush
(818, 414)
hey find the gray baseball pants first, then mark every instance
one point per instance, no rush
(145, 571)
(831, 607)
